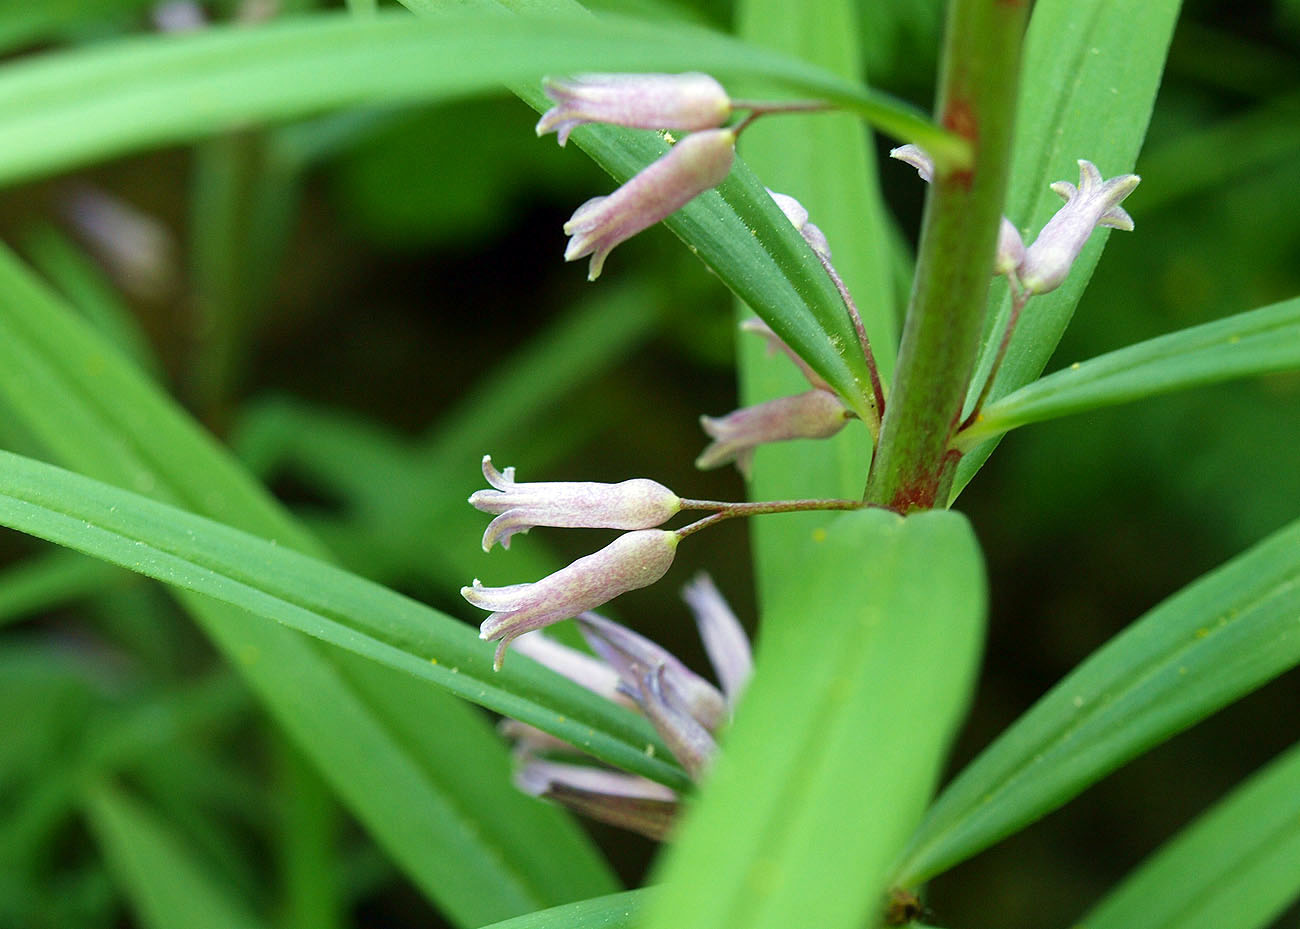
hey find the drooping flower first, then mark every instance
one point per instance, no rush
(814, 414)
(685, 710)
(689, 102)
(777, 344)
(634, 504)
(633, 560)
(1093, 203)
(697, 163)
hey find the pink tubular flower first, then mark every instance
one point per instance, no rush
(1093, 203)
(689, 102)
(797, 213)
(634, 504)
(697, 163)
(633, 560)
(814, 414)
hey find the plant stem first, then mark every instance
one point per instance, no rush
(1018, 300)
(977, 95)
(725, 510)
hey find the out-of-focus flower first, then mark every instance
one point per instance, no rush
(633, 560)
(697, 163)
(684, 708)
(797, 213)
(137, 248)
(1093, 203)
(777, 344)
(634, 504)
(1011, 249)
(723, 636)
(814, 414)
(689, 102)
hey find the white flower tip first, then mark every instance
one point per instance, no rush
(917, 157)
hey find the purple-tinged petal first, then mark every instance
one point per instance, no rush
(815, 414)
(633, 560)
(697, 163)
(577, 666)
(634, 504)
(623, 800)
(689, 741)
(634, 656)
(724, 638)
(687, 102)
(1093, 203)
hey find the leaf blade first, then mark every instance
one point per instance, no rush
(1219, 638)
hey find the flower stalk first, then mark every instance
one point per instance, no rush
(914, 463)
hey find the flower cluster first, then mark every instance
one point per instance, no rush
(635, 559)
(694, 103)
(686, 710)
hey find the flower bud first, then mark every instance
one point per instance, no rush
(634, 504)
(1093, 203)
(689, 102)
(633, 560)
(697, 163)
(815, 414)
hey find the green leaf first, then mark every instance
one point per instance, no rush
(1088, 83)
(166, 883)
(616, 911)
(66, 108)
(267, 580)
(829, 167)
(93, 411)
(1225, 635)
(1234, 868)
(841, 735)
(1262, 341)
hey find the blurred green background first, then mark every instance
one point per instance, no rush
(359, 304)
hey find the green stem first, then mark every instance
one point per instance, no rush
(732, 510)
(977, 96)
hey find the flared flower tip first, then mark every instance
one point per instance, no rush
(1095, 202)
(639, 503)
(917, 157)
(633, 560)
(689, 102)
(697, 163)
(724, 638)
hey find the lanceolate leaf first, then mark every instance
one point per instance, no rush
(825, 771)
(303, 593)
(1225, 635)
(94, 411)
(1234, 868)
(1259, 342)
(63, 109)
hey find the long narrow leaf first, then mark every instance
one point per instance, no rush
(95, 412)
(267, 580)
(64, 109)
(1234, 868)
(825, 773)
(1262, 341)
(1225, 635)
